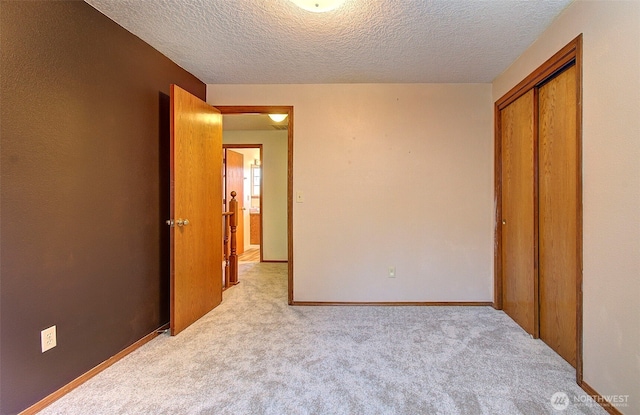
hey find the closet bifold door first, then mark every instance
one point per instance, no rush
(557, 212)
(518, 239)
(538, 228)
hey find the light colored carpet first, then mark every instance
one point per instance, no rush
(254, 354)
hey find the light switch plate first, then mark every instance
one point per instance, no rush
(392, 272)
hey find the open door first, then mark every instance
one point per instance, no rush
(235, 182)
(196, 211)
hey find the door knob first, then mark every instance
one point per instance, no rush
(504, 222)
(182, 222)
(171, 223)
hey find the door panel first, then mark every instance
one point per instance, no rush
(518, 228)
(558, 260)
(235, 181)
(196, 186)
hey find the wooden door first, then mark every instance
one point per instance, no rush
(558, 221)
(235, 182)
(196, 186)
(518, 223)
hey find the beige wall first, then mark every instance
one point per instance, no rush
(274, 157)
(392, 175)
(611, 181)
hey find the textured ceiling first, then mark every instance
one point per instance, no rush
(372, 41)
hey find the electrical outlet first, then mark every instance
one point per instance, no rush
(392, 272)
(48, 338)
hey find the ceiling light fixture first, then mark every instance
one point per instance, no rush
(318, 6)
(278, 117)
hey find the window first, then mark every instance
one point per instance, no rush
(256, 172)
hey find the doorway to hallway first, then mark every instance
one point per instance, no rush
(244, 127)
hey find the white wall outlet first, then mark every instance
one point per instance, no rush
(392, 272)
(48, 338)
(299, 197)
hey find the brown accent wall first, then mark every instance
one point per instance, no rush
(84, 192)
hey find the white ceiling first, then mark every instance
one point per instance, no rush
(363, 41)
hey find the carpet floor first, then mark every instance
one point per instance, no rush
(254, 354)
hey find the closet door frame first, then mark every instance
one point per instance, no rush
(569, 55)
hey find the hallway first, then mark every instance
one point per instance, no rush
(250, 255)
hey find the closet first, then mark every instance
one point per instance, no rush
(539, 204)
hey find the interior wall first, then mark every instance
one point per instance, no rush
(85, 180)
(611, 184)
(391, 175)
(274, 182)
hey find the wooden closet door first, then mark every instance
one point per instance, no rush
(518, 221)
(558, 221)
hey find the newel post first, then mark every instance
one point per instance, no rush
(233, 222)
(225, 248)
